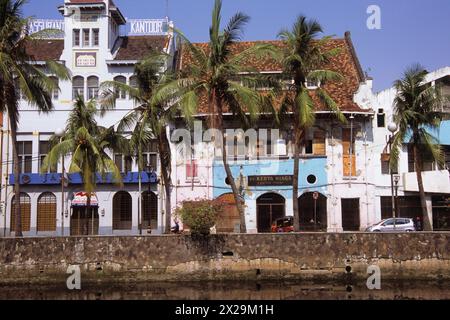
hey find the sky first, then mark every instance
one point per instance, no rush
(411, 31)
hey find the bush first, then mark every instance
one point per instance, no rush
(199, 215)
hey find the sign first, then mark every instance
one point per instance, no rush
(85, 59)
(257, 181)
(149, 27)
(80, 200)
(315, 195)
(38, 25)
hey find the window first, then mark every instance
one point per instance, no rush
(25, 154)
(191, 169)
(44, 149)
(428, 164)
(96, 35)
(121, 94)
(319, 143)
(76, 37)
(123, 163)
(46, 212)
(122, 211)
(86, 38)
(55, 91)
(77, 87)
(381, 119)
(312, 84)
(93, 90)
(25, 212)
(133, 82)
(349, 156)
(150, 154)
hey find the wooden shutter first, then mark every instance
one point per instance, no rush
(319, 143)
(349, 158)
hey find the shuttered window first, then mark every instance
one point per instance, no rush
(46, 212)
(349, 158)
(25, 212)
(319, 143)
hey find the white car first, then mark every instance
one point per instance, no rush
(387, 225)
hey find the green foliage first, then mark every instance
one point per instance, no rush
(199, 215)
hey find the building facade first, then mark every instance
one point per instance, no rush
(96, 44)
(344, 185)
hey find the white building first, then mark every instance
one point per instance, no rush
(95, 49)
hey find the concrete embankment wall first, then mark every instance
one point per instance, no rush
(421, 256)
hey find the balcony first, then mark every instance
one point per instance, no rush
(433, 181)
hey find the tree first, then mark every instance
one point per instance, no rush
(304, 59)
(88, 145)
(19, 76)
(150, 119)
(417, 112)
(226, 82)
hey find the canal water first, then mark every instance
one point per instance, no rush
(233, 291)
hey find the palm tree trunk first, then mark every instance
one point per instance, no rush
(237, 197)
(296, 146)
(164, 155)
(17, 213)
(423, 202)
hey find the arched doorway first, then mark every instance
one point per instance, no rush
(84, 222)
(122, 211)
(313, 212)
(25, 212)
(228, 220)
(46, 212)
(269, 207)
(149, 210)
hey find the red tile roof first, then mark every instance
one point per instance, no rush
(137, 47)
(345, 62)
(43, 50)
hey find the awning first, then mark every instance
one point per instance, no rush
(80, 200)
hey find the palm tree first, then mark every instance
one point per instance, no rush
(416, 112)
(304, 59)
(226, 82)
(19, 74)
(88, 145)
(150, 119)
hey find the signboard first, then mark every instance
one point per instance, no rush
(148, 27)
(257, 181)
(86, 59)
(80, 200)
(38, 25)
(316, 195)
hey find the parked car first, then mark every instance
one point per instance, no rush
(387, 225)
(285, 224)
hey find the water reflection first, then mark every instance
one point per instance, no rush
(232, 291)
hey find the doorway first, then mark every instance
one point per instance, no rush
(269, 207)
(350, 214)
(313, 212)
(84, 223)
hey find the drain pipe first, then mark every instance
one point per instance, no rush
(366, 173)
(7, 177)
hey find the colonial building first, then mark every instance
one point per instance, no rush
(436, 178)
(335, 191)
(97, 44)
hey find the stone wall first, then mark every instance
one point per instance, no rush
(421, 256)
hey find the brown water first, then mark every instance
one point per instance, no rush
(233, 291)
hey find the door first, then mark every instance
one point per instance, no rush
(269, 207)
(83, 223)
(350, 215)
